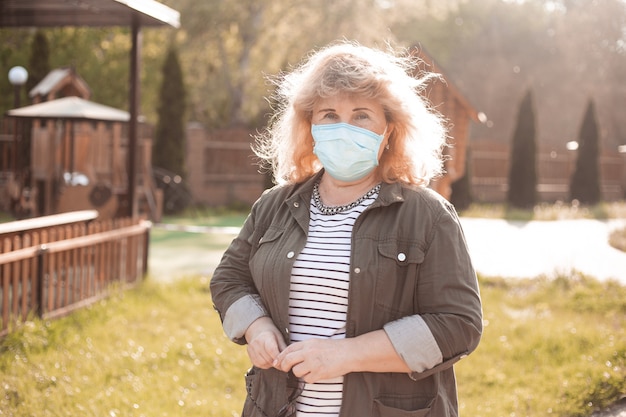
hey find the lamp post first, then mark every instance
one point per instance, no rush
(17, 77)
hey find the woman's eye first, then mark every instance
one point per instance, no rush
(361, 116)
(330, 116)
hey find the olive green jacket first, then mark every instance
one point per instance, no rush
(409, 257)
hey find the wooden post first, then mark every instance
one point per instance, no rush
(41, 270)
(133, 127)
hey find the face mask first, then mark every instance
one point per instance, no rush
(347, 152)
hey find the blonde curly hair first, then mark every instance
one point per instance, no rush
(416, 144)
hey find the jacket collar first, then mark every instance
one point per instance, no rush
(389, 193)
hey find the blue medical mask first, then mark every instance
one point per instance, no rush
(347, 152)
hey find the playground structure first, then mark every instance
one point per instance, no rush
(78, 155)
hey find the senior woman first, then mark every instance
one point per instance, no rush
(350, 281)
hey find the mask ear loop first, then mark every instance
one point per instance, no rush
(383, 135)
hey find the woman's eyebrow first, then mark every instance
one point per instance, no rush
(325, 110)
(362, 109)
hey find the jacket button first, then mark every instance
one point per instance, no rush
(401, 257)
(290, 254)
(296, 204)
(357, 270)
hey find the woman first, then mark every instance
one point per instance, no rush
(351, 281)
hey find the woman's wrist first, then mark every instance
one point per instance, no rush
(258, 326)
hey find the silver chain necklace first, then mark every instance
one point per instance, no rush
(329, 210)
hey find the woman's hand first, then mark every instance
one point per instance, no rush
(265, 342)
(315, 360)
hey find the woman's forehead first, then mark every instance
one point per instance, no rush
(347, 101)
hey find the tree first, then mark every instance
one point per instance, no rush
(228, 47)
(168, 151)
(522, 174)
(39, 60)
(38, 68)
(14, 49)
(461, 196)
(585, 182)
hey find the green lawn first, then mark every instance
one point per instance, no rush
(550, 347)
(546, 211)
(156, 350)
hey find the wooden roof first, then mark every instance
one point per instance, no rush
(49, 13)
(432, 66)
(70, 108)
(59, 79)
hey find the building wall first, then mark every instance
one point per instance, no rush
(458, 116)
(222, 169)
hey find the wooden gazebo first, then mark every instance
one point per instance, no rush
(100, 13)
(78, 154)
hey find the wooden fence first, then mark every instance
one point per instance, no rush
(489, 167)
(52, 265)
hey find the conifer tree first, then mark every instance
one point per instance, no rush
(523, 173)
(461, 196)
(38, 68)
(38, 61)
(168, 151)
(585, 181)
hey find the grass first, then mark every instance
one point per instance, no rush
(550, 347)
(545, 211)
(5, 217)
(157, 350)
(209, 217)
(224, 217)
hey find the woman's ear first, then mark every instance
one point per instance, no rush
(389, 130)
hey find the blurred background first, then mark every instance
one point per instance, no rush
(566, 59)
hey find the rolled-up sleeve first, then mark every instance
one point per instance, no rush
(241, 314)
(408, 333)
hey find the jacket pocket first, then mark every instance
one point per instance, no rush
(251, 405)
(265, 252)
(260, 237)
(395, 406)
(266, 392)
(396, 280)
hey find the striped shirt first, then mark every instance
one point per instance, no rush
(318, 297)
